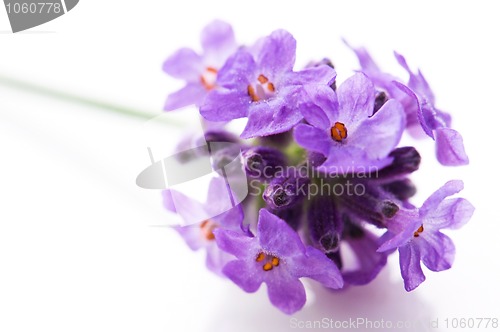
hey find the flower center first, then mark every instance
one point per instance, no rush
(338, 132)
(208, 78)
(418, 231)
(269, 261)
(207, 229)
(262, 89)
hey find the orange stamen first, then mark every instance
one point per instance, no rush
(260, 257)
(252, 94)
(207, 228)
(275, 261)
(262, 79)
(419, 230)
(270, 87)
(338, 131)
(268, 266)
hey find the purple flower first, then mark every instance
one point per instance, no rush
(344, 129)
(416, 233)
(277, 257)
(263, 87)
(329, 226)
(201, 235)
(450, 149)
(418, 101)
(200, 70)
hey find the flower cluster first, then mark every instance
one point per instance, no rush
(327, 178)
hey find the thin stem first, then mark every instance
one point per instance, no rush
(72, 98)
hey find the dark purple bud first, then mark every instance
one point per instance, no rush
(371, 206)
(287, 190)
(401, 189)
(380, 99)
(278, 140)
(263, 162)
(324, 224)
(220, 136)
(292, 216)
(406, 161)
(352, 230)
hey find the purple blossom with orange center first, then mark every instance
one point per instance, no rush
(201, 235)
(416, 233)
(344, 128)
(263, 87)
(199, 71)
(324, 168)
(277, 257)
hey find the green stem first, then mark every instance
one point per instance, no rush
(72, 98)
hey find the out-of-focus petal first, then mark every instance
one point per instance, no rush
(184, 64)
(192, 93)
(450, 149)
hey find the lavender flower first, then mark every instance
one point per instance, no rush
(344, 129)
(201, 236)
(416, 233)
(263, 87)
(419, 105)
(325, 168)
(200, 71)
(277, 257)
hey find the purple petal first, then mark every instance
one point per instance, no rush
(217, 38)
(286, 293)
(271, 117)
(184, 64)
(450, 148)
(380, 134)
(275, 236)
(192, 93)
(243, 274)
(320, 107)
(350, 160)
(450, 213)
(416, 82)
(192, 235)
(231, 219)
(402, 226)
(312, 139)
(356, 99)
(448, 189)
(216, 259)
(420, 115)
(225, 105)
(322, 75)
(317, 266)
(411, 271)
(370, 261)
(168, 201)
(365, 60)
(236, 244)
(437, 250)
(277, 54)
(238, 72)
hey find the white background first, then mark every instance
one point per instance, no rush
(79, 246)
